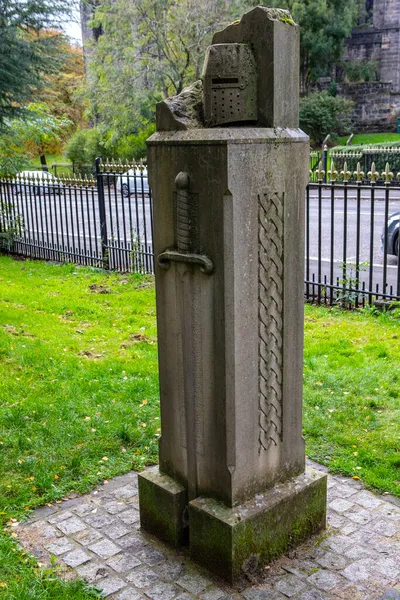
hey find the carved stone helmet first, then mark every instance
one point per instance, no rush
(230, 85)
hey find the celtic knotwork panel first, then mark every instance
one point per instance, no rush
(270, 228)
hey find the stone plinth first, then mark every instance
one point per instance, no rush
(235, 541)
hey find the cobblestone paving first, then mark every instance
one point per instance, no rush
(98, 537)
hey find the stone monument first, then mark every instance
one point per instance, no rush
(228, 169)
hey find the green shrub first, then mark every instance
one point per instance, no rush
(321, 113)
(88, 144)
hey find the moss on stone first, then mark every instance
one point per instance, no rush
(232, 542)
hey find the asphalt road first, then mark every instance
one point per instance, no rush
(345, 237)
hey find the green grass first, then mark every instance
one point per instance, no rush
(78, 384)
(79, 396)
(370, 138)
(352, 394)
(52, 158)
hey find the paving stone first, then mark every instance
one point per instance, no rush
(214, 594)
(45, 530)
(84, 509)
(338, 543)
(349, 529)
(61, 516)
(110, 585)
(314, 595)
(360, 516)
(340, 505)
(70, 526)
(332, 560)
(105, 548)
(130, 516)
(389, 511)
(99, 519)
(170, 570)
(129, 594)
(142, 577)
(93, 571)
(290, 585)
(345, 491)
(115, 531)
(194, 583)
(361, 536)
(123, 562)
(359, 563)
(257, 594)
(113, 507)
(60, 546)
(87, 536)
(76, 558)
(385, 528)
(367, 500)
(151, 556)
(126, 492)
(360, 570)
(162, 591)
(388, 567)
(132, 542)
(301, 568)
(324, 580)
(335, 520)
(358, 551)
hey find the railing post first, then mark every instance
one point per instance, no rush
(102, 215)
(325, 160)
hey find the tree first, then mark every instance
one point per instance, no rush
(146, 51)
(27, 51)
(324, 27)
(61, 90)
(40, 132)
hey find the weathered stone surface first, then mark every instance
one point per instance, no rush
(274, 38)
(230, 85)
(163, 504)
(220, 378)
(60, 546)
(193, 582)
(184, 111)
(76, 558)
(104, 548)
(227, 540)
(110, 585)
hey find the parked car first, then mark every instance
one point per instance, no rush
(133, 181)
(40, 182)
(393, 226)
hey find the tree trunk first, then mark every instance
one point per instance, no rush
(43, 162)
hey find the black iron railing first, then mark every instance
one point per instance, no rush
(352, 226)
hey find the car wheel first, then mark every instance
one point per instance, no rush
(396, 245)
(125, 190)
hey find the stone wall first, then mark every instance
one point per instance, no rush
(377, 104)
(374, 106)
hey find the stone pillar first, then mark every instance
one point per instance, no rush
(229, 247)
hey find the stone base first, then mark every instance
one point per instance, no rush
(233, 541)
(163, 507)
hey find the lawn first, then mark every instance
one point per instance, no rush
(79, 395)
(370, 138)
